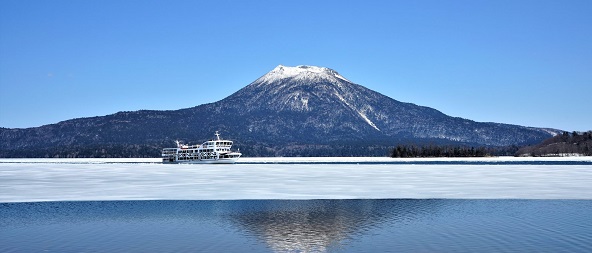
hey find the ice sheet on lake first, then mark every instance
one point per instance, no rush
(96, 179)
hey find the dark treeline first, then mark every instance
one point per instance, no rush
(92, 151)
(314, 150)
(404, 151)
(575, 143)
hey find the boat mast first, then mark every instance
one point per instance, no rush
(217, 135)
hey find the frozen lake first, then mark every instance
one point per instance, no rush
(33, 180)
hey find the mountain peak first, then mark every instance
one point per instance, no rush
(301, 72)
(310, 89)
(300, 69)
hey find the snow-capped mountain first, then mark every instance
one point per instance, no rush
(303, 110)
(319, 93)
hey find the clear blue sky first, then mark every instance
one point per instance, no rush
(518, 62)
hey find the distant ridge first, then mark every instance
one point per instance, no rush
(565, 144)
(290, 111)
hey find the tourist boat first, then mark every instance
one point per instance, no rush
(212, 151)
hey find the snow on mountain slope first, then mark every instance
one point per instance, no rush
(307, 89)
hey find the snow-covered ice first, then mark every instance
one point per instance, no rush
(27, 180)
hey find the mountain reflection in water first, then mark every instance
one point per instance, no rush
(315, 225)
(401, 225)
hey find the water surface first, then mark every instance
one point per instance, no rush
(391, 225)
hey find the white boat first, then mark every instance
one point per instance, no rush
(212, 151)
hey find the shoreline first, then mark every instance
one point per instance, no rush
(313, 160)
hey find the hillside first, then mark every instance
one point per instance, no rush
(565, 144)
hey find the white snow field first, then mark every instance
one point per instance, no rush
(31, 180)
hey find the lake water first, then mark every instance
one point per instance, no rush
(297, 205)
(396, 225)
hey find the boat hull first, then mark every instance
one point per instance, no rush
(203, 161)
